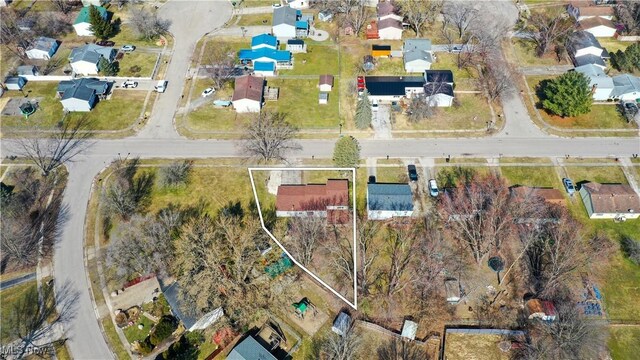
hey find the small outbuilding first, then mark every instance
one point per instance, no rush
(409, 330)
(15, 82)
(541, 309)
(325, 16)
(325, 83)
(381, 50)
(323, 98)
(28, 70)
(296, 46)
(341, 323)
(42, 48)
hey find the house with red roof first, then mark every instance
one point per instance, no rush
(247, 96)
(330, 200)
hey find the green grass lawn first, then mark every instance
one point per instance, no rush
(117, 113)
(9, 296)
(612, 45)
(113, 339)
(525, 52)
(472, 114)
(210, 118)
(144, 60)
(600, 117)
(536, 176)
(255, 3)
(600, 174)
(446, 61)
(318, 60)
(624, 342)
(127, 36)
(132, 333)
(255, 19)
(299, 99)
(390, 66)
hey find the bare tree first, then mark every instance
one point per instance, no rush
(306, 236)
(432, 260)
(35, 319)
(628, 13)
(220, 60)
(64, 6)
(342, 347)
(128, 192)
(176, 173)
(52, 150)
(400, 251)
(396, 349)
(495, 79)
(418, 13)
(419, 108)
(147, 24)
(547, 29)
(15, 39)
(269, 137)
(354, 13)
(459, 14)
(53, 64)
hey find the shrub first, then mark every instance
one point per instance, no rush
(135, 69)
(177, 173)
(631, 248)
(165, 327)
(145, 347)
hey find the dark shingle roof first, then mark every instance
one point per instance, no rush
(392, 85)
(589, 59)
(91, 53)
(438, 76)
(438, 88)
(582, 39)
(390, 197)
(250, 349)
(82, 89)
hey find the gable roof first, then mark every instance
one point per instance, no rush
(625, 83)
(438, 88)
(375, 47)
(587, 8)
(295, 42)
(326, 80)
(392, 85)
(91, 53)
(43, 43)
(264, 39)
(389, 197)
(596, 76)
(248, 87)
(250, 349)
(611, 198)
(389, 23)
(589, 59)
(27, 69)
(264, 66)
(417, 49)
(284, 15)
(277, 55)
(583, 39)
(595, 22)
(83, 16)
(386, 8)
(82, 89)
(313, 196)
(171, 294)
(431, 76)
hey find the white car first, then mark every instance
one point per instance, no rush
(208, 91)
(162, 86)
(130, 84)
(275, 6)
(127, 48)
(433, 188)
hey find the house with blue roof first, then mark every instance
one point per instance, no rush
(386, 201)
(280, 58)
(82, 94)
(82, 26)
(250, 349)
(42, 48)
(264, 41)
(264, 68)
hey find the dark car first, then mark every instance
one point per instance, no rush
(105, 43)
(413, 174)
(372, 179)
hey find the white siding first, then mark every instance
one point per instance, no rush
(299, 4)
(75, 105)
(390, 33)
(385, 215)
(630, 96)
(417, 66)
(83, 29)
(391, 16)
(588, 50)
(84, 68)
(284, 31)
(602, 94)
(614, 215)
(602, 31)
(325, 88)
(301, 213)
(246, 105)
(440, 100)
(264, 73)
(37, 54)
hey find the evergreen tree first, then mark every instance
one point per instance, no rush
(346, 152)
(363, 112)
(567, 95)
(627, 60)
(101, 27)
(108, 68)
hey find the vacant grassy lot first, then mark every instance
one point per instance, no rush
(525, 52)
(138, 63)
(472, 114)
(624, 342)
(254, 19)
(612, 45)
(9, 297)
(318, 60)
(543, 176)
(600, 117)
(468, 346)
(601, 174)
(445, 61)
(122, 110)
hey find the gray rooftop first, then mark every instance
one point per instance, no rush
(589, 59)
(596, 76)
(43, 43)
(389, 197)
(417, 49)
(250, 349)
(91, 53)
(582, 39)
(82, 89)
(625, 83)
(27, 69)
(284, 15)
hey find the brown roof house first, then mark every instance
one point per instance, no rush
(325, 83)
(387, 10)
(330, 200)
(549, 195)
(581, 10)
(599, 27)
(390, 29)
(610, 201)
(247, 96)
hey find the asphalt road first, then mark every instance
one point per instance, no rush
(17, 281)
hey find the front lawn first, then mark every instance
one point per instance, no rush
(472, 114)
(132, 333)
(600, 174)
(9, 297)
(525, 52)
(255, 19)
(318, 60)
(535, 176)
(138, 63)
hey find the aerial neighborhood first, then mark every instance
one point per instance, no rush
(310, 179)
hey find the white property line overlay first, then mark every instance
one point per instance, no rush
(354, 305)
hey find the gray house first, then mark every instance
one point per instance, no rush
(28, 70)
(417, 55)
(626, 87)
(385, 201)
(601, 84)
(42, 48)
(85, 59)
(585, 49)
(250, 349)
(82, 94)
(14, 82)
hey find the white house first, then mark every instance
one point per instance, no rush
(386, 89)
(439, 94)
(247, 96)
(296, 46)
(610, 201)
(264, 68)
(85, 60)
(82, 25)
(94, 2)
(598, 26)
(625, 87)
(601, 85)
(583, 43)
(417, 55)
(298, 4)
(387, 10)
(325, 84)
(284, 22)
(582, 10)
(325, 16)
(386, 201)
(42, 48)
(14, 82)
(390, 29)
(81, 94)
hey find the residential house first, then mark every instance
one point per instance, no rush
(42, 48)
(341, 323)
(330, 200)
(325, 83)
(541, 309)
(417, 55)
(5, 3)
(85, 60)
(281, 58)
(548, 195)
(82, 25)
(584, 49)
(387, 10)
(626, 88)
(264, 68)
(393, 88)
(82, 94)
(172, 294)
(438, 76)
(325, 16)
(386, 201)
(323, 98)
(598, 26)
(287, 23)
(381, 50)
(28, 70)
(601, 84)
(582, 10)
(409, 329)
(14, 82)
(250, 349)
(439, 94)
(296, 46)
(298, 4)
(247, 96)
(264, 41)
(610, 201)
(452, 290)
(390, 29)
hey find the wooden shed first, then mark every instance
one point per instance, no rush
(381, 50)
